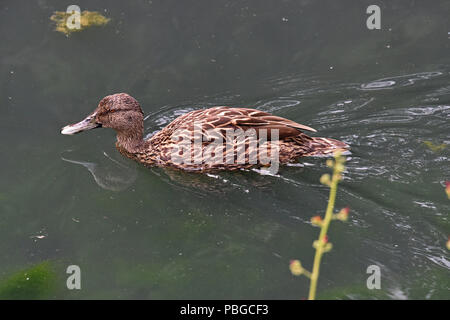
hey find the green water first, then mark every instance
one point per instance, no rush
(152, 234)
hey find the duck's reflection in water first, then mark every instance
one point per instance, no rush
(216, 183)
(109, 173)
(119, 174)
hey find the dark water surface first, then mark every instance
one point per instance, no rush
(152, 234)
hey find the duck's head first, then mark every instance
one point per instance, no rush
(119, 111)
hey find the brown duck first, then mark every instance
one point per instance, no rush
(208, 128)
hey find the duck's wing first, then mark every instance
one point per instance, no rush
(245, 118)
(212, 130)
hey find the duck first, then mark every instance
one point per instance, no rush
(199, 140)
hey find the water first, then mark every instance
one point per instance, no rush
(155, 234)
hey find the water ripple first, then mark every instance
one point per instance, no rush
(402, 80)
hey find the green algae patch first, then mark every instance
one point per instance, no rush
(435, 147)
(37, 282)
(87, 19)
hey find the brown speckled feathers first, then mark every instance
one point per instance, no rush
(293, 143)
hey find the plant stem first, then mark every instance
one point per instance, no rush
(323, 233)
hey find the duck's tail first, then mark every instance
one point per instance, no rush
(323, 147)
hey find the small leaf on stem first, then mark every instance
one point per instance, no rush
(317, 221)
(325, 179)
(296, 267)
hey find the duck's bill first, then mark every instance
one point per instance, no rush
(86, 124)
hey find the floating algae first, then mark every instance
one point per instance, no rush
(86, 20)
(435, 147)
(36, 282)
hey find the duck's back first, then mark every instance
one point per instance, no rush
(211, 139)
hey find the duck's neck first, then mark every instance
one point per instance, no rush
(131, 142)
